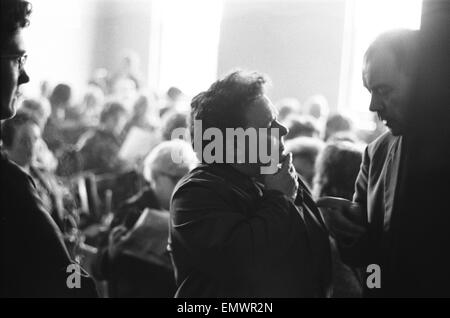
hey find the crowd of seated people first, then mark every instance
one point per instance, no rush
(60, 141)
(108, 182)
(134, 258)
(21, 137)
(86, 138)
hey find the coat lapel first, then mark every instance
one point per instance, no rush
(391, 180)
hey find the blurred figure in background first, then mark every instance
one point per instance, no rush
(349, 136)
(60, 101)
(173, 97)
(143, 116)
(336, 170)
(171, 121)
(337, 123)
(337, 167)
(288, 106)
(45, 90)
(40, 110)
(128, 67)
(126, 80)
(304, 153)
(125, 91)
(21, 136)
(301, 125)
(136, 262)
(165, 165)
(91, 106)
(369, 136)
(317, 106)
(99, 148)
(101, 78)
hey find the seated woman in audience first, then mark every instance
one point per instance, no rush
(143, 116)
(21, 136)
(99, 148)
(60, 101)
(171, 121)
(301, 125)
(40, 110)
(91, 106)
(337, 123)
(136, 262)
(173, 97)
(337, 167)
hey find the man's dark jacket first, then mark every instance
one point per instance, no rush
(410, 248)
(33, 257)
(232, 238)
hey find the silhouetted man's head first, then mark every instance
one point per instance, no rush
(388, 74)
(14, 17)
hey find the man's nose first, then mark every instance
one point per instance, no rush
(23, 77)
(375, 104)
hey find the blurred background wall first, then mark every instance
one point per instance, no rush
(298, 43)
(306, 46)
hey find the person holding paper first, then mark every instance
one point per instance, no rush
(100, 147)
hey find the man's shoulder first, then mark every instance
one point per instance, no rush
(12, 174)
(201, 176)
(382, 145)
(16, 188)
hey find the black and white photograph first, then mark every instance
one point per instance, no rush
(224, 155)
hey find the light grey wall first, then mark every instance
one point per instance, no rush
(121, 25)
(297, 43)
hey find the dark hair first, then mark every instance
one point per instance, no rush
(301, 125)
(337, 123)
(174, 92)
(224, 104)
(61, 94)
(403, 43)
(112, 109)
(307, 147)
(14, 15)
(171, 121)
(337, 167)
(10, 126)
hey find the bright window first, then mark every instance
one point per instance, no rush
(184, 44)
(365, 19)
